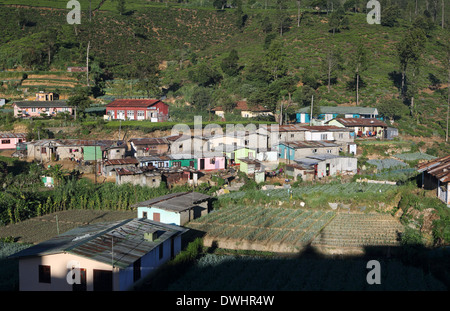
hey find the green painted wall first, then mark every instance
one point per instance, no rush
(89, 153)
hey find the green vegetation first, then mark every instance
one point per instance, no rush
(272, 53)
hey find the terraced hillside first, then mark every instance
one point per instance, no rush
(349, 232)
(262, 228)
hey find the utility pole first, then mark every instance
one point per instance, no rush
(87, 63)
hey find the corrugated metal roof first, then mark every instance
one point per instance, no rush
(121, 161)
(175, 201)
(342, 110)
(309, 144)
(118, 243)
(12, 135)
(138, 103)
(149, 141)
(439, 168)
(360, 122)
(42, 104)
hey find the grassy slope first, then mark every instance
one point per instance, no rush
(212, 35)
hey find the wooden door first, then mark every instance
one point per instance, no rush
(157, 216)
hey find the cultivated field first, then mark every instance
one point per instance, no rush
(42, 228)
(358, 231)
(262, 228)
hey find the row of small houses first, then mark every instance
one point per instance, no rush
(132, 161)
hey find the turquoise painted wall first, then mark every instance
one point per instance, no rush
(166, 217)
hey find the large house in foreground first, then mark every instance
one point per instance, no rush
(107, 256)
(153, 110)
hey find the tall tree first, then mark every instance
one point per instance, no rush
(332, 64)
(338, 20)
(282, 16)
(230, 64)
(359, 65)
(275, 61)
(409, 51)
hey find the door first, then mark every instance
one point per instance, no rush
(82, 286)
(103, 280)
(157, 216)
(202, 164)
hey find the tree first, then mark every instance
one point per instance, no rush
(275, 61)
(338, 20)
(359, 65)
(282, 17)
(80, 98)
(121, 7)
(332, 64)
(266, 25)
(202, 98)
(390, 15)
(219, 4)
(146, 70)
(205, 75)
(391, 109)
(409, 52)
(230, 64)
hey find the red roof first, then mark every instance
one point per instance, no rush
(138, 103)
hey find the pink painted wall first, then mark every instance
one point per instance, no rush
(37, 113)
(12, 142)
(218, 165)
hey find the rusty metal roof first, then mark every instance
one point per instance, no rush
(118, 243)
(12, 135)
(149, 141)
(439, 168)
(125, 161)
(175, 201)
(309, 144)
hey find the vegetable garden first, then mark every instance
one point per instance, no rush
(262, 228)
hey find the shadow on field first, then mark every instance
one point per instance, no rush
(400, 268)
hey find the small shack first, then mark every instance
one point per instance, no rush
(175, 208)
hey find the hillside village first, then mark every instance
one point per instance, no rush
(221, 180)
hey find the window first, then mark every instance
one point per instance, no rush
(33, 109)
(44, 274)
(328, 150)
(144, 215)
(130, 114)
(323, 136)
(292, 135)
(341, 135)
(314, 151)
(102, 280)
(6, 141)
(161, 251)
(137, 270)
(141, 113)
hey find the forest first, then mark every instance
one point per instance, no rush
(279, 54)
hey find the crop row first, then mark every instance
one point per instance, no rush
(332, 189)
